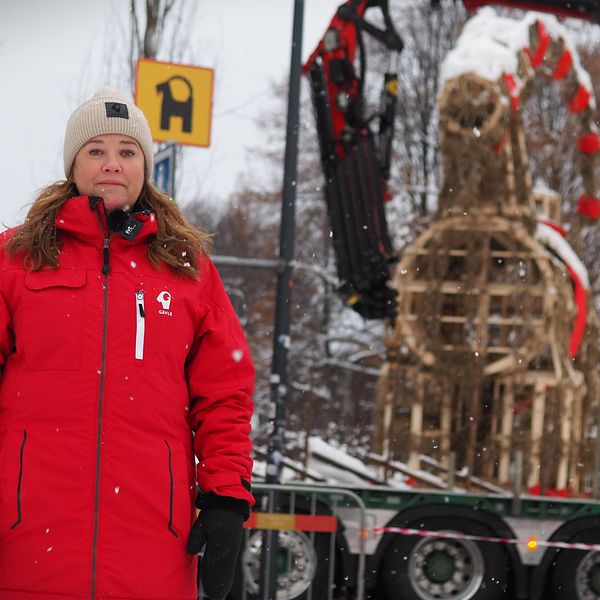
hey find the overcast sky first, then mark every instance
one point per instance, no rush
(49, 57)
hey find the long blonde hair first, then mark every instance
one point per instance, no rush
(177, 243)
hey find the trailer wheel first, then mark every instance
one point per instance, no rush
(430, 568)
(576, 573)
(300, 564)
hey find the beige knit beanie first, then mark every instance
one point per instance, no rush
(107, 111)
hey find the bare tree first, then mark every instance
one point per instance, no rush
(145, 41)
(428, 35)
(160, 29)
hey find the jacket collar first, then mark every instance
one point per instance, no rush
(85, 218)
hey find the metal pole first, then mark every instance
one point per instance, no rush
(281, 334)
(517, 484)
(451, 470)
(281, 341)
(172, 186)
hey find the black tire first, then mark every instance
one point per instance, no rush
(575, 574)
(309, 566)
(428, 568)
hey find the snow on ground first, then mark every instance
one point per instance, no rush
(331, 464)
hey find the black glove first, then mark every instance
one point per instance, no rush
(219, 526)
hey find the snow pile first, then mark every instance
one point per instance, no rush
(339, 462)
(552, 239)
(489, 46)
(332, 465)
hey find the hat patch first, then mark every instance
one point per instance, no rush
(116, 109)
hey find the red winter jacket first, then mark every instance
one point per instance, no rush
(108, 365)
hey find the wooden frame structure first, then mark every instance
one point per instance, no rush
(479, 359)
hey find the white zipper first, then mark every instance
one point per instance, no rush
(140, 324)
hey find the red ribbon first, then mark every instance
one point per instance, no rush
(588, 206)
(500, 145)
(554, 225)
(580, 100)
(511, 86)
(589, 143)
(581, 317)
(540, 52)
(563, 64)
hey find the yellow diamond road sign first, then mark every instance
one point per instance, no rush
(176, 99)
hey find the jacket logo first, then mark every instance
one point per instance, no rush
(165, 300)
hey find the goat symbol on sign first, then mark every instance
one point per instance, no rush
(175, 108)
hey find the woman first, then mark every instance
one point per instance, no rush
(121, 358)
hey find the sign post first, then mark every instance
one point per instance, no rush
(281, 334)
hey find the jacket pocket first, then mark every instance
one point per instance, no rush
(52, 328)
(171, 489)
(178, 499)
(13, 458)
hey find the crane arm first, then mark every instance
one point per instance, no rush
(355, 158)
